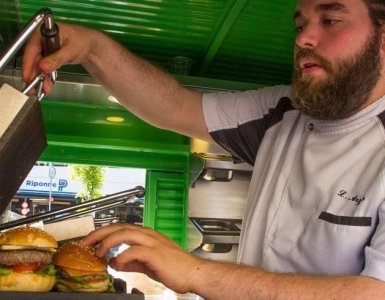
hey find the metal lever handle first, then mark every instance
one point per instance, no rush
(80, 209)
(50, 44)
(50, 33)
(50, 40)
(37, 82)
(24, 35)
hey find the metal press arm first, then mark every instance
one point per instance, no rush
(109, 201)
(50, 44)
(45, 15)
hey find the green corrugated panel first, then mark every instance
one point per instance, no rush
(167, 225)
(170, 214)
(166, 204)
(170, 205)
(157, 30)
(257, 48)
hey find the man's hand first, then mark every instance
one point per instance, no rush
(76, 44)
(163, 260)
(150, 253)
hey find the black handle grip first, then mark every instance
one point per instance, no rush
(50, 40)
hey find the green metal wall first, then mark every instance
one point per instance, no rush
(80, 134)
(168, 213)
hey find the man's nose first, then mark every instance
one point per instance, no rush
(308, 37)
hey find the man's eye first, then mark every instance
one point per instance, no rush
(329, 22)
(298, 29)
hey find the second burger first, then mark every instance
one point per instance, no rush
(80, 270)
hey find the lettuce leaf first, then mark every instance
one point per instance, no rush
(47, 271)
(78, 279)
(5, 271)
(111, 287)
(81, 281)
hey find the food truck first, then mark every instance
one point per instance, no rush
(193, 192)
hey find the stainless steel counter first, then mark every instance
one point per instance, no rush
(151, 289)
(173, 297)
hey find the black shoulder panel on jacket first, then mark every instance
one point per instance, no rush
(381, 116)
(243, 142)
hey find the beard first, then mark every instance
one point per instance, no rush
(347, 87)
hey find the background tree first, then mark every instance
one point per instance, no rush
(92, 179)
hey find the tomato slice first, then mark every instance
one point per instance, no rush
(27, 267)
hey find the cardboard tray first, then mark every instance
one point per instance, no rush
(22, 140)
(120, 287)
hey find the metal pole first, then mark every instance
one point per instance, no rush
(99, 203)
(51, 174)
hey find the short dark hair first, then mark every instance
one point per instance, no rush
(376, 12)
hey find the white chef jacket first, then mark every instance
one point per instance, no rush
(316, 198)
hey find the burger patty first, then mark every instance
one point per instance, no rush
(64, 274)
(94, 277)
(16, 257)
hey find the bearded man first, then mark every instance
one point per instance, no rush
(314, 223)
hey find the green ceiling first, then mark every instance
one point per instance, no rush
(238, 40)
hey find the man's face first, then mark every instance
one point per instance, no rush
(337, 58)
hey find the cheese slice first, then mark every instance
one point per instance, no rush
(74, 272)
(16, 247)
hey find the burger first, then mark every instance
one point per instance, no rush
(25, 260)
(80, 270)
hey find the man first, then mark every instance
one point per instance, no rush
(314, 221)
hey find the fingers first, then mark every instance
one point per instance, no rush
(137, 259)
(168, 265)
(31, 57)
(33, 64)
(134, 257)
(116, 234)
(150, 253)
(158, 236)
(127, 236)
(130, 260)
(99, 234)
(48, 85)
(73, 49)
(55, 61)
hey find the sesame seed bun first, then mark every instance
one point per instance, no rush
(28, 237)
(80, 270)
(78, 260)
(26, 282)
(68, 286)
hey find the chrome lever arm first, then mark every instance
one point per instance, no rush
(50, 44)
